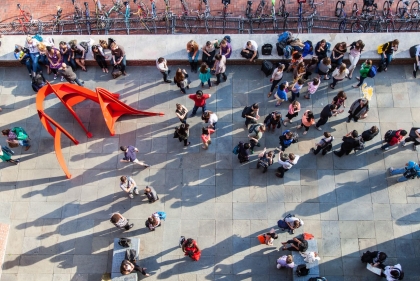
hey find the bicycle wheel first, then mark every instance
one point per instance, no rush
(389, 26)
(385, 9)
(262, 25)
(406, 26)
(275, 26)
(414, 10)
(357, 27)
(338, 9)
(399, 10)
(78, 27)
(282, 8)
(209, 24)
(57, 28)
(197, 24)
(354, 10)
(342, 26)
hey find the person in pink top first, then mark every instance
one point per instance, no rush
(308, 120)
(199, 101)
(312, 87)
(294, 109)
(205, 137)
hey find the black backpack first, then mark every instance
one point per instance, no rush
(389, 134)
(410, 173)
(85, 46)
(301, 270)
(246, 109)
(124, 242)
(266, 49)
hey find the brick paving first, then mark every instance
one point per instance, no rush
(43, 9)
(60, 228)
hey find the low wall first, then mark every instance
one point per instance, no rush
(144, 49)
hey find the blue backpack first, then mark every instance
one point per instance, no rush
(287, 141)
(236, 150)
(162, 215)
(37, 37)
(227, 38)
(372, 71)
(284, 37)
(287, 51)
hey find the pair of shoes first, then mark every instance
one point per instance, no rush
(136, 191)
(131, 195)
(307, 97)
(298, 127)
(403, 143)
(390, 170)
(355, 86)
(124, 73)
(304, 133)
(336, 153)
(62, 78)
(348, 121)
(188, 144)
(279, 175)
(55, 76)
(258, 144)
(349, 77)
(414, 147)
(331, 86)
(358, 78)
(27, 147)
(168, 81)
(147, 166)
(269, 94)
(131, 226)
(319, 128)
(224, 78)
(284, 124)
(278, 104)
(387, 148)
(192, 115)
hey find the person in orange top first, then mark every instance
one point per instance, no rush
(205, 137)
(308, 119)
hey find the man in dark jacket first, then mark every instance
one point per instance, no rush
(328, 111)
(370, 134)
(350, 142)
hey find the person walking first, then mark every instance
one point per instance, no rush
(130, 155)
(181, 112)
(286, 164)
(17, 136)
(225, 49)
(99, 57)
(281, 94)
(162, 66)
(286, 139)
(273, 120)
(350, 142)
(121, 222)
(206, 137)
(205, 75)
(387, 51)
(193, 52)
(69, 75)
(339, 74)
(199, 101)
(356, 49)
(285, 262)
(358, 110)
(364, 71)
(393, 273)
(181, 80)
(295, 89)
(210, 118)
(209, 51)
(393, 138)
(292, 112)
(151, 194)
(256, 132)
(250, 113)
(220, 68)
(414, 136)
(250, 50)
(312, 87)
(265, 159)
(328, 111)
(276, 78)
(6, 155)
(243, 152)
(118, 57)
(339, 100)
(183, 132)
(325, 144)
(55, 59)
(308, 119)
(190, 248)
(128, 185)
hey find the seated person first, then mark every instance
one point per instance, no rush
(297, 244)
(128, 267)
(250, 50)
(375, 258)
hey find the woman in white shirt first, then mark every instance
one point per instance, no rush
(276, 77)
(393, 273)
(32, 45)
(339, 74)
(211, 118)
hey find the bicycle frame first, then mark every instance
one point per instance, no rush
(87, 16)
(153, 4)
(23, 14)
(127, 16)
(300, 19)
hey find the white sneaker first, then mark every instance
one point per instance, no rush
(319, 128)
(62, 78)
(136, 191)
(386, 149)
(131, 195)
(181, 241)
(390, 170)
(414, 147)
(403, 143)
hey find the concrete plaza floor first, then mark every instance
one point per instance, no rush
(60, 228)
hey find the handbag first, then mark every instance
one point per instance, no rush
(176, 135)
(124, 242)
(116, 72)
(13, 144)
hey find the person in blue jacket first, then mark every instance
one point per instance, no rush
(410, 171)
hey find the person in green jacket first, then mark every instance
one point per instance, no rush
(364, 70)
(5, 155)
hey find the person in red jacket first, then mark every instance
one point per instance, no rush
(199, 101)
(394, 139)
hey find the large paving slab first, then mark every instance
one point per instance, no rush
(60, 228)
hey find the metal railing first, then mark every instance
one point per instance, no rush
(234, 25)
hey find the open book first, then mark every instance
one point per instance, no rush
(375, 270)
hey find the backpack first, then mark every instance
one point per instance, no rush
(389, 135)
(381, 47)
(266, 49)
(236, 150)
(162, 215)
(410, 173)
(37, 83)
(246, 109)
(37, 37)
(287, 141)
(85, 46)
(280, 46)
(413, 51)
(227, 38)
(20, 133)
(253, 128)
(303, 246)
(308, 49)
(301, 270)
(287, 51)
(366, 257)
(285, 37)
(372, 71)
(366, 136)
(124, 242)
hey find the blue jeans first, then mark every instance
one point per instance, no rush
(70, 62)
(24, 143)
(190, 54)
(361, 81)
(195, 108)
(387, 60)
(399, 172)
(294, 95)
(34, 59)
(208, 81)
(337, 61)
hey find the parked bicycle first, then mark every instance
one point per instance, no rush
(283, 13)
(357, 26)
(225, 14)
(143, 13)
(87, 18)
(77, 16)
(259, 17)
(274, 16)
(203, 16)
(167, 15)
(300, 16)
(402, 9)
(24, 22)
(411, 24)
(369, 8)
(55, 26)
(184, 16)
(122, 21)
